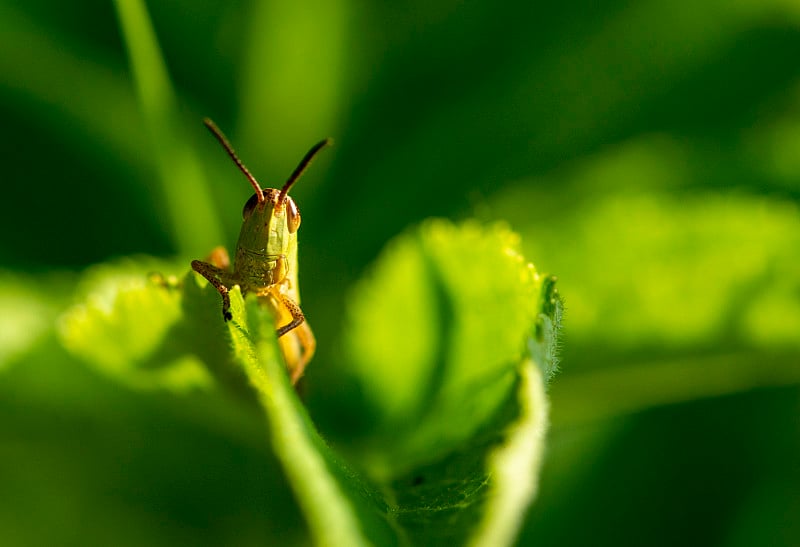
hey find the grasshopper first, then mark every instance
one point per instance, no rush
(266, 259)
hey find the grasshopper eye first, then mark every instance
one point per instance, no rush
(292, 216)
(249, 206)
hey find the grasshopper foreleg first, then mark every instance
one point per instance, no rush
(215, 271)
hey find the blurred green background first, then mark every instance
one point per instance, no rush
(648, 153)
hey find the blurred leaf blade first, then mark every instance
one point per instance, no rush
(305, 48)
(195, 227)
(724, 256)
(502, 126)
(28, 309)
(708, 277)
(88, 90)
(599, 396)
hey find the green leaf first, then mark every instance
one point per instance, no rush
(125, 327)
(450, 337)
(305, 47)
(435, 337)
(676, 293)
(195, 228)
(327, 492)
(27, 310)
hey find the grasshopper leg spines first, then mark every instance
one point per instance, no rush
(297, 315)
(295, 338)
(215, 276)
(303, 339)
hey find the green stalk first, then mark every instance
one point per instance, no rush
(610, 393)
(195, 228)
(308, 464)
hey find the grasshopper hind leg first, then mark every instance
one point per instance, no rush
(298, 348)
(295, 337)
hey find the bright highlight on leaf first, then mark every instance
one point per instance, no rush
(26, 314)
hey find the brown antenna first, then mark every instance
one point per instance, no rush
(229, 149)
(301, 168)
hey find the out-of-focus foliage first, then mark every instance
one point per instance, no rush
(647, 153)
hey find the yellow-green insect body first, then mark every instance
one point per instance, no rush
(267, 248)
(265, 262)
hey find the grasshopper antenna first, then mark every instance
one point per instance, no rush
(229, 149)
(300, 169)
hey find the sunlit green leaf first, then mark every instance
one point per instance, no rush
(435, 336)
(125, 327)
(465, 448)
(28, 307)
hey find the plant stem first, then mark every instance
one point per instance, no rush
(195, 228)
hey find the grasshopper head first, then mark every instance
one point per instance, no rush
(268, 223)
(272, 205)
(270, 217)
